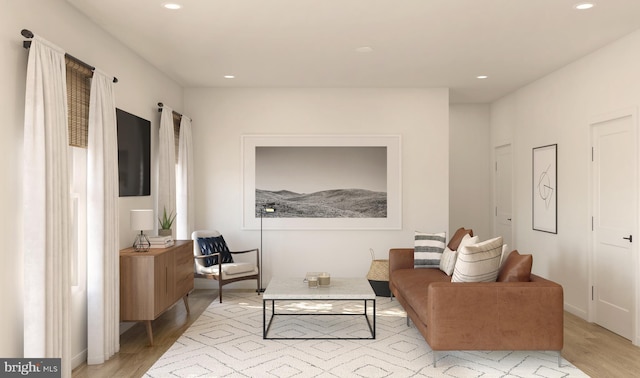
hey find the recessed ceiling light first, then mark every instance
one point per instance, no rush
(482, 77)
(584, 6)
(229, 76)
(172, 6)
(364, 49)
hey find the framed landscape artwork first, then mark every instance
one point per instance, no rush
(545, 188)
(321, 181)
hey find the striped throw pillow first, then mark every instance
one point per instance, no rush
(428, 249)
(479, 262)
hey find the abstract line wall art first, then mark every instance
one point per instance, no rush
(545, 188)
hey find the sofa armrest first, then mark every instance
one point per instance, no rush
(505, 315)
(400, 258)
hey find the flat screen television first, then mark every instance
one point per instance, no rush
(134, 154)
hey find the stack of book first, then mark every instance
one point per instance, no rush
(161, 241)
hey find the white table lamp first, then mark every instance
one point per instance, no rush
(142, 220)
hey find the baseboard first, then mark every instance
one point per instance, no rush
(576, 311)
(124, 327)
(78, 359)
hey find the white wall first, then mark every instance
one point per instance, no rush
(469, 169)
(221, 116)
(557, 109)
(139, 89)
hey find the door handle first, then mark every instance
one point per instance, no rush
(509, 219)
(630, 238)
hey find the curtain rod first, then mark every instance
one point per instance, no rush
(27, 44)
(161, 105)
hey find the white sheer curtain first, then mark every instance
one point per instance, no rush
(47, 213)
(184, 179)
(166, 164)
(103, 280)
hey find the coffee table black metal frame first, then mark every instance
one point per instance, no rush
(294, 290)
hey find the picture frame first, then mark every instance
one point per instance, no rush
(281, 169)
(545, 188)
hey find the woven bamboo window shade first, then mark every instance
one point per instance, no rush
(78, 90)
(176, 133)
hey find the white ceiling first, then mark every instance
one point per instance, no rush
(416, 43)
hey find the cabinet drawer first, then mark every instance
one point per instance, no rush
(184, 270)
(184, 256)
(184, 284)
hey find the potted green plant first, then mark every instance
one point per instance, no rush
(166, 222)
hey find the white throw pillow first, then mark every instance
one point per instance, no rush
(428, 249)
(505, 254)
(449, 257)
(479, 262)
(448, 261)
(468, 240)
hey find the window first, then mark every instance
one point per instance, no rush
(78, 90)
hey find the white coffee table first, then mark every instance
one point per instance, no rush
(340, 289)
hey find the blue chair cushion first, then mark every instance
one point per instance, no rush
(214, 244)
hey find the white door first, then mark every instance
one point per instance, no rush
(502, 222)
(614, 221)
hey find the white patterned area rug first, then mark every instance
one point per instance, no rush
(226, 341)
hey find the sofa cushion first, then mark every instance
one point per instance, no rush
(505, 254)
(455, 240)
(449, 257)
(410, 280)
(428, 249)
(214, 244)
(479, 262)
(448, 261)
(229, 269)
(468, 240)
(413, 283)
(516, 268)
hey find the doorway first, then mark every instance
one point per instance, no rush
(614, 190)
(502, 192)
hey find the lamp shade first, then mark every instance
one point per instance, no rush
(141, 220)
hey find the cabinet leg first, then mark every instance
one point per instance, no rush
(149, 332)
(186, 303)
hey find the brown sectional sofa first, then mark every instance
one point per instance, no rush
(478, 315)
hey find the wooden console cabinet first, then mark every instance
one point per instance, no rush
(151, 282)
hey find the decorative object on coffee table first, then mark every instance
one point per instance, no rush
(324, 279)
(312, 282)
(378, 276)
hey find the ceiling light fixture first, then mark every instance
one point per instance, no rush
(172, 6)
(482, 77)
(584, 6)
(364, 49)
(229, 77)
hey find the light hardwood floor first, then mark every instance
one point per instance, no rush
(136, 356)
(593, 349)
(597, 351)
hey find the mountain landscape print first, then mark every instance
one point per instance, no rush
(336, 203)
(321, 181)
